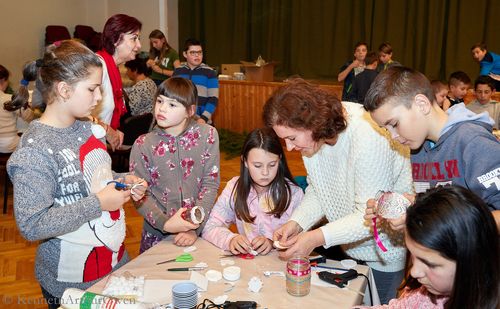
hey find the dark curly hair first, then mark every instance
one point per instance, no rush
(302, 105)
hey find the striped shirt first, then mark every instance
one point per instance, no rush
(207, 84)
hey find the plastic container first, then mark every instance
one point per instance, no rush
(125, 285)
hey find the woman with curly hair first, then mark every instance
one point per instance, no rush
(348, 160)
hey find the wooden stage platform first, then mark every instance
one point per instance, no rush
(241, 102)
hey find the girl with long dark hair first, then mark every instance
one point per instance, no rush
(260, 200)
(455, 259)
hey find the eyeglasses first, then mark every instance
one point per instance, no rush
(195, 52)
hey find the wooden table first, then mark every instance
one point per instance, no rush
(273, 293)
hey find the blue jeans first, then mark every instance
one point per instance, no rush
(387, 284)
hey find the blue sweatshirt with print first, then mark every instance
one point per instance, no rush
(466, 154)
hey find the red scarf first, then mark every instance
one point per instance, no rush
(116, 85)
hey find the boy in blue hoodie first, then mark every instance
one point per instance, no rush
(489, 62)
(453, 147)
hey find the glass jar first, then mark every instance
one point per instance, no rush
(298, 276)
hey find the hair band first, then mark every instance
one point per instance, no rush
(24, 82)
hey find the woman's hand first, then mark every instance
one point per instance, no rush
(239, 244)
(150, 62)
(185, 239)
(139, 186)
(286, 233)
(114, 137)
(112, 199)
(397, 223)
(262, 244)
(371, 210)
(177, 224)
(304, 244)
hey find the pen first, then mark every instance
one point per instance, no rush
(186, 268)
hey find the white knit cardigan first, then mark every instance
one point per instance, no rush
(343, 177)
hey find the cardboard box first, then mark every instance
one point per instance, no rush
(264, 73)
(230, 69)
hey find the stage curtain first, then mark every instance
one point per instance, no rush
(313, 38)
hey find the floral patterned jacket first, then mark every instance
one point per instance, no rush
(181, 171)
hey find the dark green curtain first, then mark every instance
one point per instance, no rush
(313, 38)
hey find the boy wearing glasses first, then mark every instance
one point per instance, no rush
(203, 76)
(454, 147)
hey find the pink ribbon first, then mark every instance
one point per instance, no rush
(299, 272)
(375, 235)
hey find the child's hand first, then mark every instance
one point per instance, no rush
(398, 223)
(184, 239)
(356, 63)
(286, 233)
(140, 186)
(239, 244)
(262, 244)
(112, 199)
(176, 224)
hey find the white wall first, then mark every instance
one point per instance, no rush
(23, 24)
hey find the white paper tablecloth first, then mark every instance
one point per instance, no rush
(273, 293)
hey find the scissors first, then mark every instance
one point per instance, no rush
(119, 185)
(124, 186)
(185, 257)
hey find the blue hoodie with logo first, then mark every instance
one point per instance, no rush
(466, 154)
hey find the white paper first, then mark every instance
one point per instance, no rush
(200, 280)
(159, 291)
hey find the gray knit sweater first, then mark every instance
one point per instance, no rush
(56, 173)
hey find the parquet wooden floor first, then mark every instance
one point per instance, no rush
(18, 286)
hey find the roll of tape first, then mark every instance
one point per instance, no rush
(231, 273)
(197, 215)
